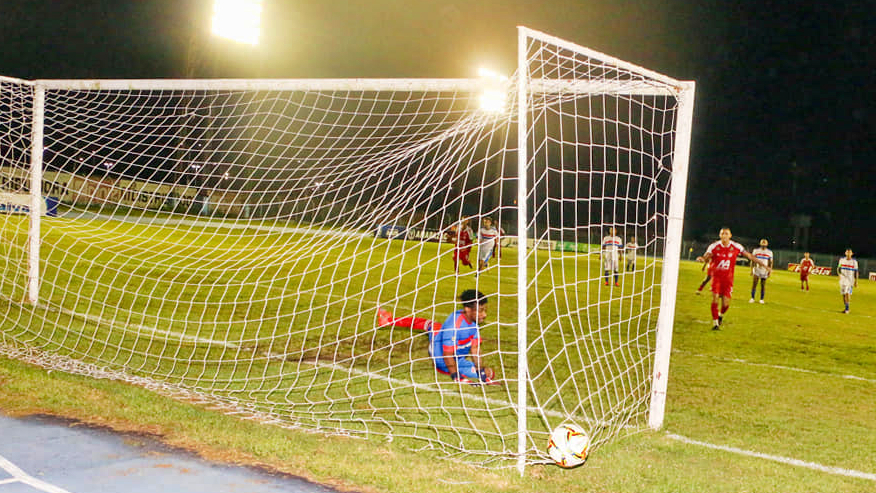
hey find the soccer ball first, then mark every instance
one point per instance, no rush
(568, 445)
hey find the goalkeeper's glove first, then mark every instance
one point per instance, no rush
(483, 376)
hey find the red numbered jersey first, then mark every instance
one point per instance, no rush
(806, 265)
(723, 261)
(463, 238)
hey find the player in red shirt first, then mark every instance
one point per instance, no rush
(806, 266)
(461, 235)
(722, 255)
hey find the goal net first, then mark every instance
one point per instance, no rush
(276, 247)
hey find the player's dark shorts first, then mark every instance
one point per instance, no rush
(804, 275)
(722, 285)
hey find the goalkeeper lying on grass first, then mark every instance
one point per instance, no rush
(453, 342)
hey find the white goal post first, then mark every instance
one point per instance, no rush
(238, 241)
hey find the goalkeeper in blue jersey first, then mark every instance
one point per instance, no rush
(455, 345)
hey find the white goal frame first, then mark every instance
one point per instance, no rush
(683, 91)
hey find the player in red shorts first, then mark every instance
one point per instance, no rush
(722, 255)
(806, 266)
(461, 234)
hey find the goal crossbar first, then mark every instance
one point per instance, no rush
(536, 86)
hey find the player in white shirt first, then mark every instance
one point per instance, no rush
(611, 249)
(630, 250)
(497, 250)
(488, 236)
(848, 277)
(759, 272)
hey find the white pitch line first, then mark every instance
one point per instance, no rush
(778, 367)
(27, 479)
(777, 458)
(436, 388)
(146, 328)
(800, 370)
(421, 386)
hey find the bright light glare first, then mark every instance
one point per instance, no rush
(489, 74)
(493, 101)
(238, 20)
(493, 96)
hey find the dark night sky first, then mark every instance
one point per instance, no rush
(785, 89)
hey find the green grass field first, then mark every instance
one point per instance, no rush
(791, 380)
(282, 322)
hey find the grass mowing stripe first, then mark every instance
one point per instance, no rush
(164, 222)
(777, 458)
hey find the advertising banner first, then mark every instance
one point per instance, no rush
(818, 271)
(95, 190)
(19, 203)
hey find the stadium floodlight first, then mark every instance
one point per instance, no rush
(490, 74)
(238, 20)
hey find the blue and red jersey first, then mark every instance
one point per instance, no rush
(455, 335)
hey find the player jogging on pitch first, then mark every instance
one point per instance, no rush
(488, 237)
(497, 250)
(630, 250)
(848, 277)
(806, 266)
(759, 272)
(722, 254)
(461, 235)
(611, 249)
(455, 345)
